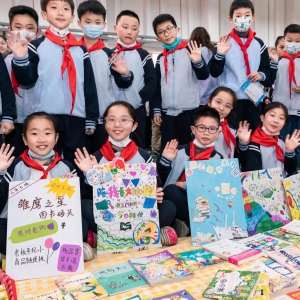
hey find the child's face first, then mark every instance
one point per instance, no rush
(3, 46)
(223, 103)
(58, 13)
(167, 32)
(127, 29)
(292, 37)
(92, 19)
(40, 136)
(205, 137)
(241, 12)
(118, 123)
(280, 47)
(273, 120)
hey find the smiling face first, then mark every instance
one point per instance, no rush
(167, 32)
(3, 46)
(127, 29)
(274, 120)
(223, 103)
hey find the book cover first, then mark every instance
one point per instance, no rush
(136, 297)
(292, 190)
(293, 227)
(232, 285)
(288, 237)
(261, 291)
(182, 295)
(264, 200)
(215, 200)
(81, 287)
(52, 294)
(289, 296)
(198, 259)
(160, 268)
(119, 278)
(244, 257)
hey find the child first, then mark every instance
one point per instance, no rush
(140, 63)
(206, 87)
(60, 69)
(92, 16)
(178, 70)
(171, 164)
(22, 19)
(279, 46)
(223, 99)
(265, 149)
(241, 55)
(3, 45)
(120, 121)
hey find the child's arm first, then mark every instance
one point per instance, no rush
(254, 161)
(290, 157)
(243, 136)
(273, 66)
(156, 102)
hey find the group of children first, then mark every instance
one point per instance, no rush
(70, 98)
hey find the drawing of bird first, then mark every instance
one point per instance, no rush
(218, 209)
(217, 220)
(212, 223)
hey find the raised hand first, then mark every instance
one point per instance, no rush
(119, 65)
(195, 52)
(223, 44)
(19, 48)
(5, 156)
(292, 141)
(171, 150)
(244, 132)
(84, 161)
(273, 54)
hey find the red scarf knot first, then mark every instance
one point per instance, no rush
(99, 45)
(119, 48)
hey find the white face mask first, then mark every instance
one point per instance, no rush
(120, 144)
(59, 32)
(242, 24)
(292, 47)
(25, 34)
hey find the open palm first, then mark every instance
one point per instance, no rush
(5, 157)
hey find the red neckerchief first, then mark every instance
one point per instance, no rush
(120, 48)
(166, 52)
(263, 139)
(205, 155)
(244, 47)
(127, 153)
(68, 61)
(292, 77)
(15, 83)
(228, 136)
(34, 165)
(97, 46)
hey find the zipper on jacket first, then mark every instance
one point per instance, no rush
(173, 75)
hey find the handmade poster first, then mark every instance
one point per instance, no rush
(125, 207)
(264, 200)
(292, 190)
(215, 200)
(44, 234)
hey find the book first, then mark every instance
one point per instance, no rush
(81, 287)
(54, 294)
(289, 237)
(234, 252)
(136, 297)
(182, 295)
(261, 291)
(293, 227)
(198, 259)
(119, 278)
(289, 296)
(292, 190)
(229, 284)
(162, 267)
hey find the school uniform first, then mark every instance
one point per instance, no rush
(177, 93)
(247, 54)
(24, 168)
(140, 63)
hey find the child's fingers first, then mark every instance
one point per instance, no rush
(2, 148)
(76, 161)
(11, 160)
(11, 151)
(79, 155)
(6, 149)
(86, 154)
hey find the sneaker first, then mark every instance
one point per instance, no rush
(92, 239)
(181, 228)
(168, 236)
(88, 253)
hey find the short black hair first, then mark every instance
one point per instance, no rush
(23, 10)
(292, 28)
(206, 111)
(45, 2)
(236, 4)
(128, 13)
(162, 18)
(91, 6)
(3, 37)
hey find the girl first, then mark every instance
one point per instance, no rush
(202, 37)
(39, 161)
(120, 122)
(224, 99)
(3, 45)
(266, 150)
(279, 47)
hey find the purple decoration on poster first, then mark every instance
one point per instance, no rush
(69, 258)
(152, 172)
(126, 182)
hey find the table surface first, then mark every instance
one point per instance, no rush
(195, 285)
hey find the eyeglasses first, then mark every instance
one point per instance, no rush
(202, 128)
(219, 103)
(168, 30)
(123, 121)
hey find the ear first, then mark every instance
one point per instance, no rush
(24, 139)
(44, 15)
(208, 102)
(72, 18)
(253, 18)
(104, 25)
(178, 30)
(135, 125)
(56, 138)
(9, 29)
(79, 24)
(39, 32)
(115, 28)
(262, 117)
(193, 129)
(230, 20)
(158, 39)
(218, 133)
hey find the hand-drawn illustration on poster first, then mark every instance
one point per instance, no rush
(292, 189)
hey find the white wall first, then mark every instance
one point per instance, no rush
(271, 15)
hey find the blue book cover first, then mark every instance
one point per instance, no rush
(215, 200)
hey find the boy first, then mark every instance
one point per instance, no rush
(240, 55)
(178, 69)
(140, 63)
(92, 16)
(171, 165)
(60, 69)
(25, 20)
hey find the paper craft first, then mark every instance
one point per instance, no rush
(215, 201)
(125, 206)
(264, 200)
(180, 295)
(292, 189)
(45, 233)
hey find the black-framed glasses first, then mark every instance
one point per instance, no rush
(167, 30)
(202, 128)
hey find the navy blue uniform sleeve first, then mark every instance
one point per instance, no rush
(254, 161)
(273, 72)
(264, 66)
(7, 93)
(156, 102)
(216, 64)
(200, 68)
(164, 168)
(290, 162)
